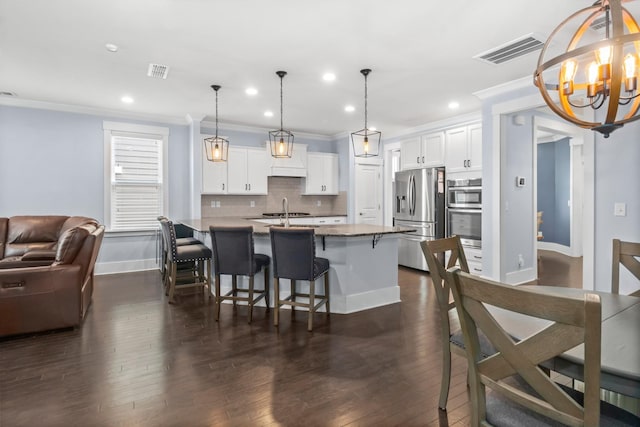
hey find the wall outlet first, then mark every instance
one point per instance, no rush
(213, 203)
(520, 261)
(319, 203)
(620, 209)
(252, 203)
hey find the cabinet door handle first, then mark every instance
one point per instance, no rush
(223, 185)
(249, 187)
(469, 163)
(418, 159)
(422, 159)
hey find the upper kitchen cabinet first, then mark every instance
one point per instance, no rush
(296, 165)
(247, 171)
(214, 176)
(322, 174)
(423, 151)
(464, 148)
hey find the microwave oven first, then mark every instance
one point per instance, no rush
(464, 193)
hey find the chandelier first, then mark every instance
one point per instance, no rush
(281, 140)
(216, 147)
(366, 142)
(597, 70)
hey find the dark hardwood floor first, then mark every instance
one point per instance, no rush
(138, 361)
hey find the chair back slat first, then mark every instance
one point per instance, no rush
(573, 321)
(435, 253)
(627, 254)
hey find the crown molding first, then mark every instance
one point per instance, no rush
(80, 109)
(521, 83)
(438, 125)
(259, 129)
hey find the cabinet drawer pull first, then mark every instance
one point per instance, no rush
(477, 269)
(477, 257)
(12, 285)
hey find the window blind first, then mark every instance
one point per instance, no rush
(136, 183)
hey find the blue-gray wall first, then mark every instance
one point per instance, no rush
(52, 162)
(554, 171)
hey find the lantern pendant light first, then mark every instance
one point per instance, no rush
(366, 142)
(281, 140)
(217, 147)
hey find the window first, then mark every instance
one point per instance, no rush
(135, 176)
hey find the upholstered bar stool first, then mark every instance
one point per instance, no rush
(182, 239)
(294, 258)
(234, 254)
(198, 255)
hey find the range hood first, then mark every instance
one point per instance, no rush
(295, 166)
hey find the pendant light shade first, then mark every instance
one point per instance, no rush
(366, 142)
(281, 140)
(217, 147)
(591, 61)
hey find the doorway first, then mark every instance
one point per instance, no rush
(558, 191)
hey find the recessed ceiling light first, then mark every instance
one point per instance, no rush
(372, 128)
(268, 113)
(111, 47)
(349, 108)
(453, 105)
(251, 91)
(127, 99)
(328, 77)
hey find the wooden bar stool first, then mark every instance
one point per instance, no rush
(294, 258)
(233, 254)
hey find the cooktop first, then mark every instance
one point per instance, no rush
(282, 214)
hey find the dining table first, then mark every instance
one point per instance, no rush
(620, 342)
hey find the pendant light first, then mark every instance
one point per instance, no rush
(366, 142)
(281, 140)
(216, 147)
(594, 71)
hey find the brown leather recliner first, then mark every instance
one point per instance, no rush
(46, 271)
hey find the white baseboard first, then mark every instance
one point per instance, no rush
(555, 247)
(125, 266)
(520, 276)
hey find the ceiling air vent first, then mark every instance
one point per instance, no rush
(513, 49)
(158, 71)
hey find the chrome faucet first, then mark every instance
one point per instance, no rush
(285, 209)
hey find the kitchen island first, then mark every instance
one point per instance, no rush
(363, 259)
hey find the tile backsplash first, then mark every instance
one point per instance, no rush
(279, 187)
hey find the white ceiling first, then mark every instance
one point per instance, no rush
(420, 52)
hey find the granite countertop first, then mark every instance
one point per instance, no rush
(340, 230)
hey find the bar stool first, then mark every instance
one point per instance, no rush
(197, 255)
(294, 258)
(234, 254)
(182, 239)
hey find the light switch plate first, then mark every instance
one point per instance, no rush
(620, 209)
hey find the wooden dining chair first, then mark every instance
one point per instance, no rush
(627, 254)
(435, 253)
(522, 392)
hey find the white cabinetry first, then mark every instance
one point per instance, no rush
(464, 149)
(474, 259)
(423, 151)
(322, 174)
(330, 220)
(214, 176)
(247, 171)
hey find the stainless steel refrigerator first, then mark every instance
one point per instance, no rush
(419, 202)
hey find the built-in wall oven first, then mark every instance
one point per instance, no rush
(464, 210)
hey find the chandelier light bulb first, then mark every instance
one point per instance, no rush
(629, 66)
(281, 146)
(366, 145)
(570, 70)
(216, 151)
(592, 73)
(604, 55)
